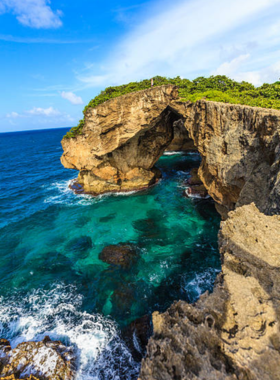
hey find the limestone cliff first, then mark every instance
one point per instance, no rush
(122, 140)
(124, 137)
(232, 333)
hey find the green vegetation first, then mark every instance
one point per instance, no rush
(218, 88)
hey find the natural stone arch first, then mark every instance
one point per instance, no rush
(120, 154)
(239, 146)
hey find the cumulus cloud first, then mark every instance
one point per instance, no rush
(12, 115)
(73, 98)
(189, 38)
(32, 13)
(44, 111)
(41, 115)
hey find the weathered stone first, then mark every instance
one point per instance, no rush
(45, 360)
(232, 333)
(122, 140)
(122, 255)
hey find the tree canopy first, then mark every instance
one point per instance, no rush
(217, 88)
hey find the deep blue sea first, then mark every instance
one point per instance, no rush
(51, 279)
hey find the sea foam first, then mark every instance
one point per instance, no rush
(101, 354)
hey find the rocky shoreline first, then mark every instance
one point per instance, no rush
(232, 333)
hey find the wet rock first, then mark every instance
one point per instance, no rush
(194, 178)
(137, 334)
(45, 360)
(121, 255)
(198, 191)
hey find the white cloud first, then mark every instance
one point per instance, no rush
(12, 115)
(234, 69)
(73, 98)
(187, 39)
(44, 111)
(33, 13)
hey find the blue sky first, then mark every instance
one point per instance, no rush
(57, 55)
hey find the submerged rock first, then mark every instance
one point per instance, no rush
(121, 255)
(232, 333)
(45, 360)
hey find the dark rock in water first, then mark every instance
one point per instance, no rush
(123, 299)
(198, 191)
(137, 334)
(45, 360)
(122, 255)
(194, 178)
(80, 246)
(105, 219)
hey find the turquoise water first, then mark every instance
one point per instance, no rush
(52, 281)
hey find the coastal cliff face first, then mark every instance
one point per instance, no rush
(240, 150)
(232, 333)
(124, 137)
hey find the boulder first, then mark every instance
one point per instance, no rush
(45, 360)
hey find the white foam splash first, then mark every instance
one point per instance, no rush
(200, 283)
(101, 353)
(61, 193)
(195, 196)
(174, 153)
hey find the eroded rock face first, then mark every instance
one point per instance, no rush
(240, 150)
(45, 360)
(232, 333)
(122, 140)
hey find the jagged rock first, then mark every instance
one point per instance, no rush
(45, 360)
(181, 140)
(232, 333)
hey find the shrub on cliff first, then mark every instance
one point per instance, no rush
(217, 88)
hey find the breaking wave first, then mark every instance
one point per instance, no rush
(101, 354)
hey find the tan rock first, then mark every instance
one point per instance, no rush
(45, 360)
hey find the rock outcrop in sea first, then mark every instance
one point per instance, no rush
(45, 360)
(232, 333)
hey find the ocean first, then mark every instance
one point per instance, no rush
(52, 281)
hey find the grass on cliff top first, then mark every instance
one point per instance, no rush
(217, 88)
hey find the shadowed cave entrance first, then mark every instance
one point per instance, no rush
(132, 166)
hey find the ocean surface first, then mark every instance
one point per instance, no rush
(51, 279)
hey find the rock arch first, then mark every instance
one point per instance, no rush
(124, 137)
